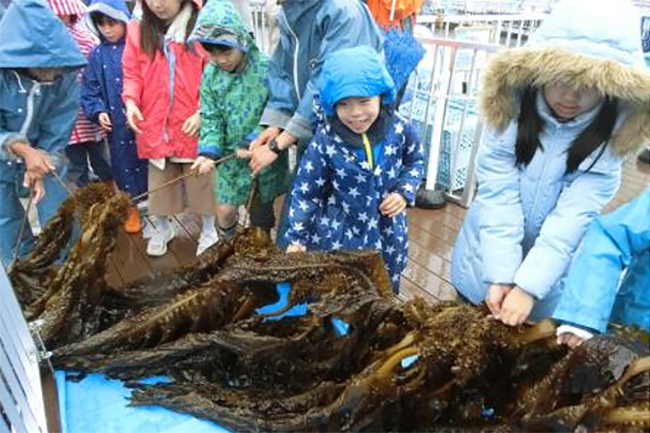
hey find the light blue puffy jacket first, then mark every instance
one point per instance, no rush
(527, 221)
(616, 242)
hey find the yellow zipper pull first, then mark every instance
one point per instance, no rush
(366, 145)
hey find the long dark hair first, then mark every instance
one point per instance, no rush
(152, 29)
(530, 126)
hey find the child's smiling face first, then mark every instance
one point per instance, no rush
(358, 112)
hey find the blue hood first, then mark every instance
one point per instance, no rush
(356, 71)
(33, 37)
(115, 9)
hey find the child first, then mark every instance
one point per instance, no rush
(362, 168)
(40, 101)
(309, 32)
(87, 141)
(101, 100)
(561, 111)
(616, 244)
(162, 75)
(233, 94)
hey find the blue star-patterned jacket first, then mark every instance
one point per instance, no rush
(336, 196)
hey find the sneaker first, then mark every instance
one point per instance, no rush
(133, 223)
(148, 228)
(157, 245)
(206, 241)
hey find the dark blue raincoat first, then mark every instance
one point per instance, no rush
(101, 92)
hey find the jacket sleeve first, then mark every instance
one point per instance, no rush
(307, 196)
(501, 228)
(412, 168)
(132, 76)
(579, 203)
(340, 30)
(92, 101)
(213, 125)
(280, 106)
(55, 129)
(611, 243)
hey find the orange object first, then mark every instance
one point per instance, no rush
(381, 10)
(133, 223)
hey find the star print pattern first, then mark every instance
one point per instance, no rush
(336, 199)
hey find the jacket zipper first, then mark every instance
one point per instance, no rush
(30, 108)
(296, 82)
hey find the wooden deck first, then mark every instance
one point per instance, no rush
(432, 234)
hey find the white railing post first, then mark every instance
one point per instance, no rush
(21, 394)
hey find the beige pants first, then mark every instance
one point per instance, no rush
(199, 191)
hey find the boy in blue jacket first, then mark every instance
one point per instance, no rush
(40, 100)
(101, 100)
(609, 279)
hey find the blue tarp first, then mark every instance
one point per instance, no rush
(99, 405)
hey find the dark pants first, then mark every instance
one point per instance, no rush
(82, 153)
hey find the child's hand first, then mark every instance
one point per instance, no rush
(105, 122)
(243, 154)
(296, 248)
(267, 135)
(203, 165)
(572, 336)
(133, 115)
(516, 307)
(393, 204)
(192, 125)
(570, 340)
(35, 182)
(494, 300)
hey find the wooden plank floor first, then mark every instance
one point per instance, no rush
(432, 234)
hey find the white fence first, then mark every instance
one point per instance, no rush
(21, 395)
(441, 102)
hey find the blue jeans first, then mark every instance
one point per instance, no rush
(12, 213)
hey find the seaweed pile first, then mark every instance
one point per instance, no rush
(355, 360)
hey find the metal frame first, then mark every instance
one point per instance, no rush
(21, 393)
(445, 76)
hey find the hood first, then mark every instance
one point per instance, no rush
(356, 71)
(296, 10)
(33, 37)
(220, 23)
(115, 9)
(589, 43)
(73, 8)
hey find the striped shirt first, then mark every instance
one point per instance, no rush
(84, 130)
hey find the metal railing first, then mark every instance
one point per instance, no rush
(443, 108)
(21, 394)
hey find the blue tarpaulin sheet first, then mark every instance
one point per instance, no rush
(98, 404)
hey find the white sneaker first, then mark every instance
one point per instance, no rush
(206, 241)
(157, 245)
(148, 229)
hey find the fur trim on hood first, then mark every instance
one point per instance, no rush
(578, 55)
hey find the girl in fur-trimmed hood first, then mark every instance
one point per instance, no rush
(561, 112)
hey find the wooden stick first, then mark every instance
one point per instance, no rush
(176, 179)
(249, 202)
(22, 228)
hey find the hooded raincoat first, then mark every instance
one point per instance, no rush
(42, 114)
(231, 106)
(337, 191)
(165, 88)
(101, 92)
(615, 243)
(310, 30)
(527, 221)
